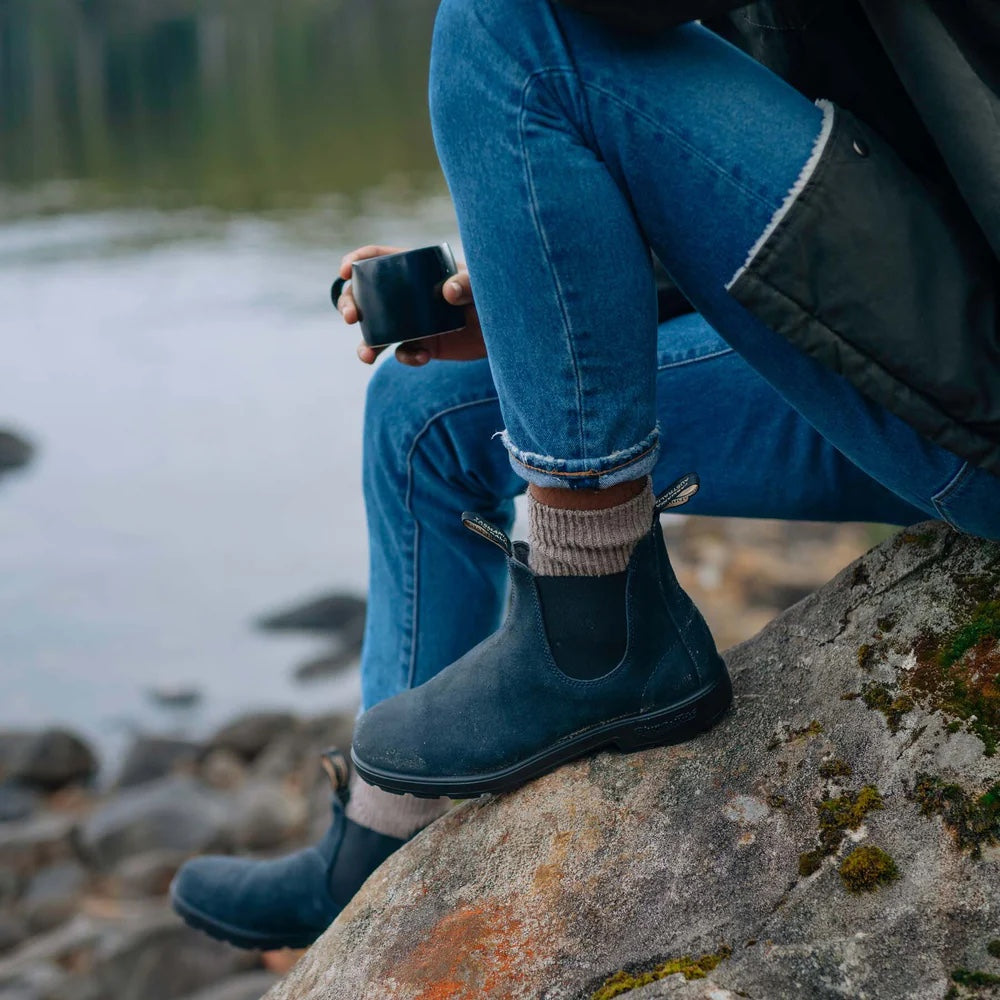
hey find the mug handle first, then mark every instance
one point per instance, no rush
(337, 289)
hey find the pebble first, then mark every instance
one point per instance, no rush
(47, 760)
(178, 813)
(153, 757)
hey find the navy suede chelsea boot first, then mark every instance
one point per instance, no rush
(506, 712)
(286, 902)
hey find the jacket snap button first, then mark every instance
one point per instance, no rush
(861, 148)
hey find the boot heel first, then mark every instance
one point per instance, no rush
(680, 724)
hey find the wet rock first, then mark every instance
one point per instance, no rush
(248, 735)
(69, 948)
(17, 802)
(223, 769)
(159, 958)
(722, 858)
(147, 874)
(13, 931)
(32, 844)
(15, 451)
(336, 613)
(153, 757)
(38, 983)
(329, 664)
(178, 697)
(53, 896)
(47, 760)
(266, 815)
(75, 987)
(178, 814)
(297, 752)
(249, 986)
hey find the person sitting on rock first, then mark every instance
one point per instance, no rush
(840, 360)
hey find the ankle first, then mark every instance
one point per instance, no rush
(570, 499)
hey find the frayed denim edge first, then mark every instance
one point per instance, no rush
(582, 473)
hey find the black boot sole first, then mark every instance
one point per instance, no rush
(666, 727)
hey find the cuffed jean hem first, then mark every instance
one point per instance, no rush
(586, 473)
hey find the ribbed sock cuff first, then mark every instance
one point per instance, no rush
(587, 542)
(392, 815)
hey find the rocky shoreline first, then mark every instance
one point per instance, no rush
(84, 870)
(84, 873)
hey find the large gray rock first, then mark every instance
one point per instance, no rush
(30, 845)
(147, 874)
(297, 753)
(248, 986)
(160, 958)
(249, 734)
(144, 953)
(859, 745)
(13, 931)
(152, 757)
(333, 613)
(53, 896)
(267, 815)
(49, 759)
(17, 802)
(15, 450)
(175, 814)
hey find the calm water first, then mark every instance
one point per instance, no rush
(178, 183)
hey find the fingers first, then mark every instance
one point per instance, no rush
(415, 353)
(367, 355)
(347, 307)
(363, 253)
(458, 290)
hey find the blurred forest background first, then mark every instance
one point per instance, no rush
(178, 181)
(242, 106)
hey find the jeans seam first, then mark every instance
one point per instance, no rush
(948, 491)
(639, 113)
(696, 360)
(415, 615)
(535, 217)
(680, 140)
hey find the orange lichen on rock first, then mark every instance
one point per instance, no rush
(474, 952)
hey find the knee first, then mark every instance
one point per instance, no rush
(456, 53)
(403, 403)
(475, 46)
(395, 410)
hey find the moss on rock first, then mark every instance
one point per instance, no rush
(836, 817)
(974, 819)
(959, 674)
(866, 868)
(975, 979)
(882, 698)
(691, 968)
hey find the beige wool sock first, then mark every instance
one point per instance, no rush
(587, 542)
(393, 815)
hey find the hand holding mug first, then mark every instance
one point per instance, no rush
(465, 343)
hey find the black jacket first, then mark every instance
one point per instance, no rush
(886, 267)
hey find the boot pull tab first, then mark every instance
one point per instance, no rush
(488, 531)
(337, 770)
(678, 494)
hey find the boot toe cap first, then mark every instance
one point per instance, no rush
(254, 904)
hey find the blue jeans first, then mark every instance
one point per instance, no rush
(436, 589)
(569, 153)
